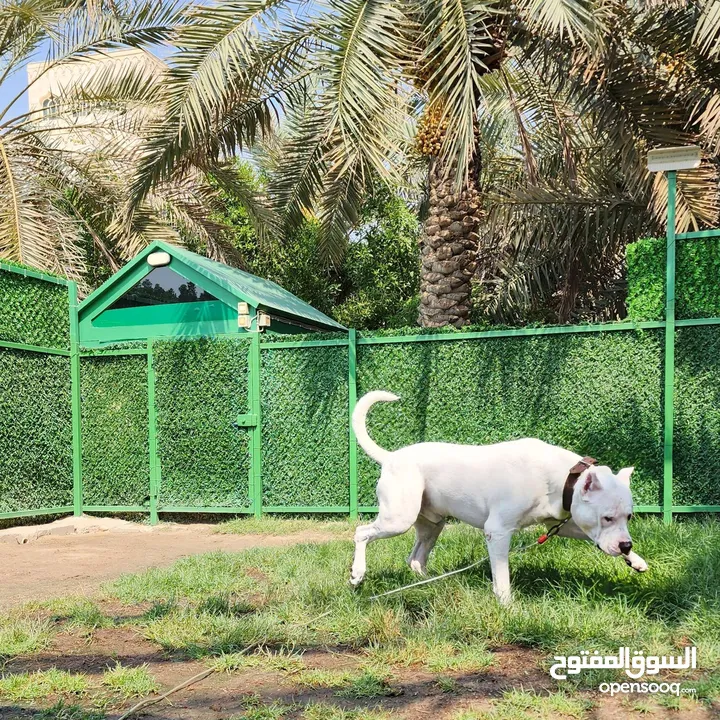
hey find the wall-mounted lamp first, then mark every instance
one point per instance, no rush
(158, 259)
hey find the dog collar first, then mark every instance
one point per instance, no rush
(575, 472)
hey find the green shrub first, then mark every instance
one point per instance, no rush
(594, 393)
(697, 416)
(646, 279)
(36, 431)
(305, 426)
(696, 279)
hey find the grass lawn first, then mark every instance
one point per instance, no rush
(289, 638)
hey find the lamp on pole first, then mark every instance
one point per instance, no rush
(670, 160)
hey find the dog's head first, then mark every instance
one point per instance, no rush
(601, 507)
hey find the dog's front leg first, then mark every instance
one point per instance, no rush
(498, 544)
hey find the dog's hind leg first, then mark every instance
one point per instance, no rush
(400, 499)
(426, 535)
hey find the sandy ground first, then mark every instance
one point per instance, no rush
(77, 556)
(77, 564)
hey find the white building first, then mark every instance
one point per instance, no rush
(81, 123)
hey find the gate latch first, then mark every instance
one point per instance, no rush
(247, 420)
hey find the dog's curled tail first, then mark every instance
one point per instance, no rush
(358, 423)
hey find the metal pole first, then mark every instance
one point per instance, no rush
(152, 434)
(256, 447)
(669, 350)
(75, 399)
(352, 399)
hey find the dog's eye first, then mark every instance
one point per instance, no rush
(608, 518)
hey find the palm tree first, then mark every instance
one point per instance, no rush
(367, 88)
(39, 226)
(64, 168)
(350, 82)
(562, 209)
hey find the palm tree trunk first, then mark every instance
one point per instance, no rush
(448, 245)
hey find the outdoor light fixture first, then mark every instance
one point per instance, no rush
(263, 320)
(158, 259)
(674, 158)
(244, 315)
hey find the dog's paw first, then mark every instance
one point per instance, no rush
(355, 580)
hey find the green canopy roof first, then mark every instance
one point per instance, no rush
(264, 294)
(230, 284)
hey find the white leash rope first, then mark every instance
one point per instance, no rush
(522, 548)
(428, 581)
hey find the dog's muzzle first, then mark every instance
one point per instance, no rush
(625, 547)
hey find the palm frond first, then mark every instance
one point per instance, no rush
(707, 30)
(458, 41)
(578, 21)
(33, 228)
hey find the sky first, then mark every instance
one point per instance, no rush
(10, 88)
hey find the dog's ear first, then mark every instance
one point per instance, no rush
(590, 483)
(624, 475)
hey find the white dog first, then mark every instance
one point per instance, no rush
(498, 488)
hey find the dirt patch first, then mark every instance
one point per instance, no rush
(56, 566)
(222, 695)
(71, 525)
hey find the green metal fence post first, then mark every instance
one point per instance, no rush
(669, 351)
(152, 435)
(256, 444)
(75, 400)
(352, 399)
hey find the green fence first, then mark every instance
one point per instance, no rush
(38, 433)
(262, 424)
(183, 426)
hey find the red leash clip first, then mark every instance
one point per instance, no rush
(552, 531)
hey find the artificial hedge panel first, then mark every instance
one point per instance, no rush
(34, 312)
(36, 433)
(697, 416)
(201, 386)
(697, 268)
(598, 394)
(304, 401)
(115, 441)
